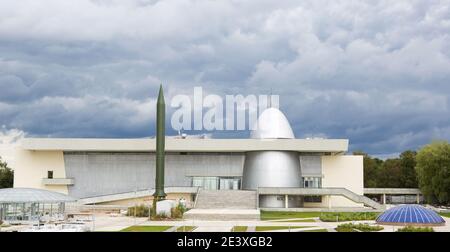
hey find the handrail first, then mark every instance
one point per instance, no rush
(321, 191)
(196, 196)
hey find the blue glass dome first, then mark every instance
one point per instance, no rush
(410, 215)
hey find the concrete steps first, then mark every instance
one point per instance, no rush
(224, 205)
(225, 199)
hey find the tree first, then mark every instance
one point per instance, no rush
(433, 172)
(371, 169)
(6, 175)
(390, 174)
(408, 177)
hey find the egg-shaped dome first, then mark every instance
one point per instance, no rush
(272, 124)
(410, 215)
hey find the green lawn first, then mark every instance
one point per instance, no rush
(240, 229)
(275, 215)
(145, 229)
(316, 230)
(324, 216)
(185, 228)
(268, 228)
(303, 220)
(445, 214)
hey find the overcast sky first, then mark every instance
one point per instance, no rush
(375, 72)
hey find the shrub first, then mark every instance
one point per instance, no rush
(415, 229)
(144, 211)
(161, 216)
(141, 211)
(350, 227)
(178, 211)
(334, 217)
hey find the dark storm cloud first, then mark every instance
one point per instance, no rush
(376, 72)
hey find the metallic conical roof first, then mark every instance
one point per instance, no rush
(272, 124)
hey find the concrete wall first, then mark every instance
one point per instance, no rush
(342, 171)
(30, 167)
(110, 173)
(311, 165)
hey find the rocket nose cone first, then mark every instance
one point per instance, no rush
(161, 94)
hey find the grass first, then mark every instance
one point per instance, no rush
(145, 229)
(185, 229)
(324, 216)
(240, 229)
(316, 230)
(350, 227)
(303, 220)
(268, 228)
(445, 214)
(415, 229)
(275, 215)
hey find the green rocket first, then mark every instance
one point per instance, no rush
(160, 142)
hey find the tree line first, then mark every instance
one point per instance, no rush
(427, 169)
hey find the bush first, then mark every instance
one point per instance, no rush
(177, 212)
(162, 216)
(141, 211)
(334, 217)
(415, 229)
(144, 211)
(350, 227)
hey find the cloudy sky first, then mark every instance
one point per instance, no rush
(376, 72)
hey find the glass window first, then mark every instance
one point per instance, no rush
(230, 183)
(312, 182)
(215, 183)
(316, 199)
(208, 183)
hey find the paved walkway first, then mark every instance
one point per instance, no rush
(213, 229)
(295, 219)
(172, 229)
(107, 223)
(251, 229)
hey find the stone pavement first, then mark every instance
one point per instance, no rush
(108, 223)
(213, 229)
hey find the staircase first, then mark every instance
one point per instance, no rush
(225, 199)
(361, 199)
(224, 205)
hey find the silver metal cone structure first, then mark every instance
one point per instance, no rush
(271, 168)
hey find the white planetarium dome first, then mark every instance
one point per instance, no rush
(272, 124)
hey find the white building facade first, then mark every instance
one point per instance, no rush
(283, 170)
